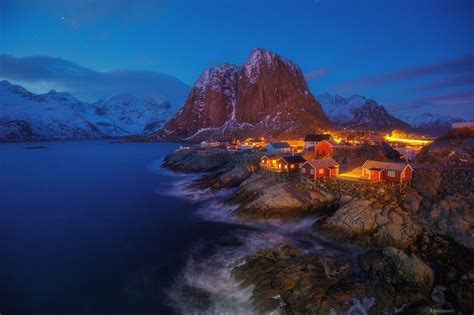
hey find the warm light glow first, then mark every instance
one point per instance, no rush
(415, 142)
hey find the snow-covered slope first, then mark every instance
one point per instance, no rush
(124, 114)
(25, 116)
(429, 122)
(358, 112)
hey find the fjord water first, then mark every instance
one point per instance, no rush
(100, 228)
(92, 228)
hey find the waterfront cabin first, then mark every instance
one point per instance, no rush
(271, 160)
(314, 169)
(388, 171)
(311, 140)
(278, 147)
(290, 163)
(325, 147)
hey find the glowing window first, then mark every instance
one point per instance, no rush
(321, 171)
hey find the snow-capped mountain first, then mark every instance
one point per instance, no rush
(124, 115)
(434, 123)
(267, 96)
(358, 112)
(26, 116)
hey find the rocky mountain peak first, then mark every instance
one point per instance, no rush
(268, 96)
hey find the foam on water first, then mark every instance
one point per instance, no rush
(206, 285)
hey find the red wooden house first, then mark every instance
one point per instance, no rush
(271, 160)
(314, 169)
(290, 163)
(325, 148)
(389, 171)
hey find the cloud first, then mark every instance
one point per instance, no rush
(88, 84)
(462, 98)
(458, 81)
(319, 73)
(455, 66)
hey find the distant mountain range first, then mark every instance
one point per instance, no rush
(358, 112)
(267, 96)
(26, 116)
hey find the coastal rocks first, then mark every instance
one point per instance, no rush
(236, 175)
(396, 279)
(464, 292)
(450, 150)
(370, 223)
(427, 182)
(263, 196)
(292, 282)
(196, 160)
(454, 216)
(286, 279)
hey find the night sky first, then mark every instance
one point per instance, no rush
(404, 54)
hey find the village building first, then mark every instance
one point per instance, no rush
(311, 140)
(388, 171)
(290, 163)
(325, 148)
(278, 147)
(328, 147)
(271, 160)
(314, 169)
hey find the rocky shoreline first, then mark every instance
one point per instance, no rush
(420, 238)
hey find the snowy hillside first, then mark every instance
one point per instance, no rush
(358, 112)
(428, 121)
(25, 116)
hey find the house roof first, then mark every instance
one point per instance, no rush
(280, 145)
(392, 166)
(274, 156)
(315, 137)
(323, 163)
(331, 142)
(294, 159)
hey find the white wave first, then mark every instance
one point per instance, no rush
(206, 285)
(360, 307)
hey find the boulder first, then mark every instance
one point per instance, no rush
(464, 292)
(395, 278)
(268, 197)
(364, 223)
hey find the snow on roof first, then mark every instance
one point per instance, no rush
(392, 166)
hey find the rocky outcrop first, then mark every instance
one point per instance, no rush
(197, 160)
(264, 196)
(268, 97)
(464, 292)
(286, 279)
(360, 154)
(396, 279)
(372, 215)
(454, 216)
(454, 149)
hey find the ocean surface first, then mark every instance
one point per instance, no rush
(97, 227)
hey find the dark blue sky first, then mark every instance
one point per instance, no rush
(404, 54)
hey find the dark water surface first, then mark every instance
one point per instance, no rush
(100, 228)
(90, 228)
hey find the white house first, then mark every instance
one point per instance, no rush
(278, 147)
